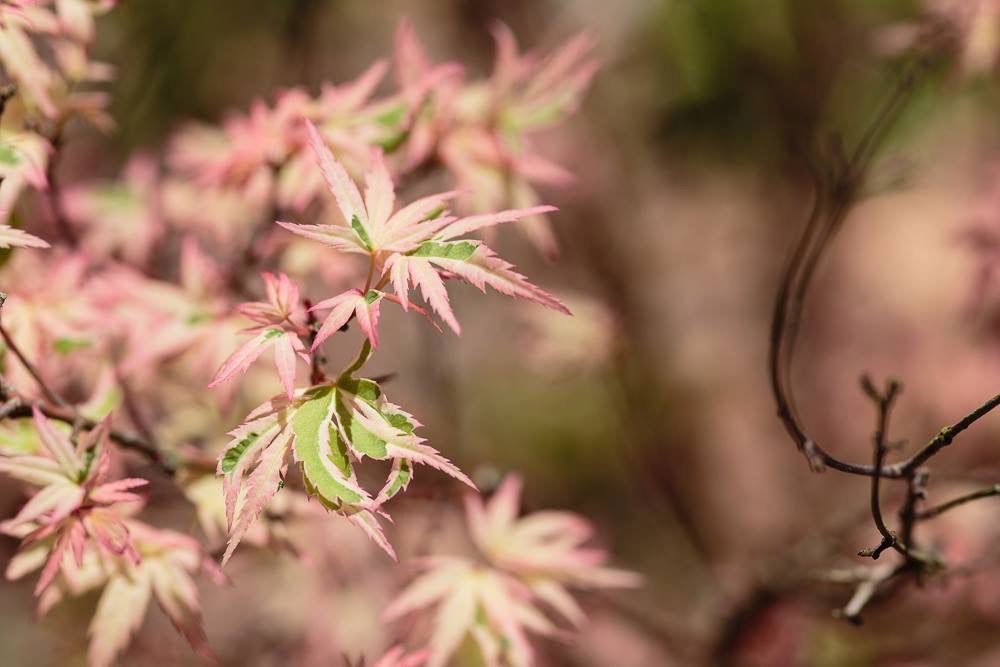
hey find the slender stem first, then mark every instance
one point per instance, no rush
(134, 412)
(946, 435)
(371, 274)
(833, 202)
(915, 492)
(125, 439)
(884, 402)
(53, 194)
(317, 375)
(961, 500)
(15, 407)
(28, 366)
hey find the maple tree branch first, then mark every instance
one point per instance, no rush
(915, 492)
(937, 510)
(884, 402)
(53, 193)
(316, 358)
(50, 394)
(126, 439)
(870, 584)
(837, 190)
(134, 413)
(836, 194)
(16, 407)
(947, 435)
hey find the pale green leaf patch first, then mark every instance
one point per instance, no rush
(233, 455)
(312, 425)
(9, 155)
(360, 230)
(456, 250)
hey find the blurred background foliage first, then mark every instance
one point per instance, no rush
(691, 154)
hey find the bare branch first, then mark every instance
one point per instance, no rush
(947, 435)
(877, 577)
(884, 402)
(961, 500)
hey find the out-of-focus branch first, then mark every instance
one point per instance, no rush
(125, 439)
(870, 584)
(836, 194)
(14, 406)
(135, 412)
(53, 193)
(28, 366)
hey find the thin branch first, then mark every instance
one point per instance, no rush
(316, 358)
(915, 492)
(866, 590)
(125, 439)
(961, 500)
(53, 193)
(28, 366)
(135, 413)
(946, 436)
(15, 407)
(884, 402)
(833, 201)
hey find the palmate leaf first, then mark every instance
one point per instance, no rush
(483, 267)
(469, 260)
(328, 428)
(324, 460)
(119, 614)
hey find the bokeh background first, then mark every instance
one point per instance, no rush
(650, 411)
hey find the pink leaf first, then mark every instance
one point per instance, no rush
(343, 188)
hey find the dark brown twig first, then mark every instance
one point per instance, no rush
(937, 510)
(884, 402)
(125, 439)
(835, 196)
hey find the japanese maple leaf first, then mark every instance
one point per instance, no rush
(546, 544)
(36, 79)
(242, 154)
(24, 157)
(167, 564)
(166, 572)
(528, 561)
(412, 246)
(328, 429)
(533, 91)
(494, 608)
(280, 322)
(75, 502)
(489, 146)
(429, 91)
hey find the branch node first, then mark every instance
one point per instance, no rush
(813, 456)
(887, 542)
